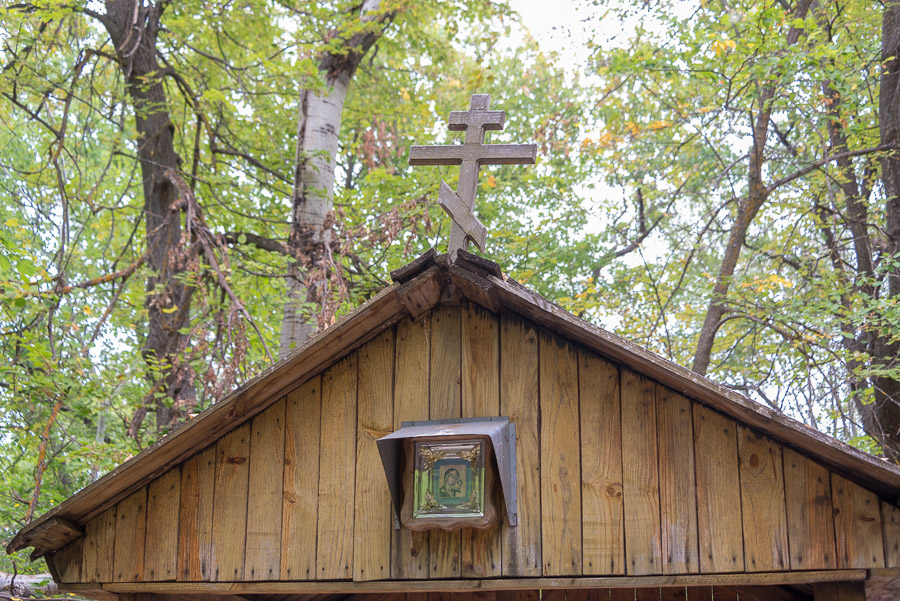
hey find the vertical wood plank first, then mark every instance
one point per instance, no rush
(301, 480)
(762, 502)
(622, 594)
(99, 547)
(372, 524)
(68, 561)
(810, 521)
(718, 492)
(857, 525)
(230, 505)
(262, 556)
(553, 594)
(560, 457)
(481, 551)
(673, 593)
(409, 550)
(891, 519)
(646, 594)
(839, 591)
(640, 472)
(507, 596)
(161, 549)
(337, 471)
(722, 593)
(677, 498)
(519, 401)
(198, 479)
(603, 544)
(131, 522)
(445, 401)
(700, 593)
(577, 594)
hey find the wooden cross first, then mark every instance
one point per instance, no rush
(470, 156)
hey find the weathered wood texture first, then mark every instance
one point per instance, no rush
(445, 402)
(718, 492)
(372, 506)
(677, 501)
(560, 457)
(603, 529)
(262, 559)
(198, 477)
(618, 476)
(301, 481)
(337, 471)
(230, 504)
(519, 401)
(412, 361)
(481, 398)
(161, 549)
(640, 470)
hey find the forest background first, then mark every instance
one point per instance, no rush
(190, 189)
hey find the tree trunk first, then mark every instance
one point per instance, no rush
(747, 209)
(319, 124)
(133, 29)
(884, 412)
(318, 128)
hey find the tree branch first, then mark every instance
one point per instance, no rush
(260, 242)
(822, 162)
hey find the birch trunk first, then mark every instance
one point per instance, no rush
(318, 128)
(319, 123)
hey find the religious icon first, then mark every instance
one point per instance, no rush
(450, 472)
(449, 479)
(452, 484)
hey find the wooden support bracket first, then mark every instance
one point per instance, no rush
(52, 534)
(422, 292)
(474, 287)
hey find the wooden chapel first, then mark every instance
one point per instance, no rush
(635, 479)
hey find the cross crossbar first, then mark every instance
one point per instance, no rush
(483, 154)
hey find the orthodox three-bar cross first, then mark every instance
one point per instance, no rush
(470, 156)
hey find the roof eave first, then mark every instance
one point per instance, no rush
(420, 286)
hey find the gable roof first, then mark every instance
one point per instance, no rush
(419, 287)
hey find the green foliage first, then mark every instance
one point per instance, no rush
(680, 90)
(73, 314)
(642, 169)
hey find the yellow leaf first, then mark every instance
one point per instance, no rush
(491, 182)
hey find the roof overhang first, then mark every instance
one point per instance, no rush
(420, 286)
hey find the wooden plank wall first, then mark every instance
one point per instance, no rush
(617, 475)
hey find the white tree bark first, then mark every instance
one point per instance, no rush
(318, 128)
(319, 124)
